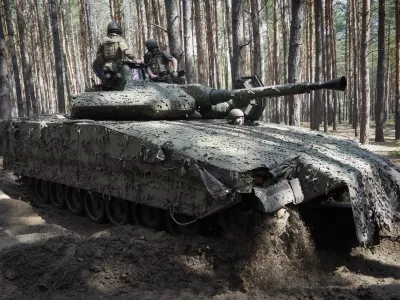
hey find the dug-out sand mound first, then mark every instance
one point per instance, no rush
(130, 258)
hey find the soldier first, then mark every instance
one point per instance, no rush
(159, 62)
(236, 117)
(111, 51)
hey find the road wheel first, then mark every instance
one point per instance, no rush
(74, 200)
(95, 207)
(57, 194)
(42, 190)
(118, 211)
(148, 216)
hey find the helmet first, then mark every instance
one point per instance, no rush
(113, 27)
(236, 116)
(151, 44)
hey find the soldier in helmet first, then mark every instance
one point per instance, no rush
(236, 117)
(111, 51)
(159, 62)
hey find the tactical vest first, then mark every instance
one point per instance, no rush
(158, 64)
(113, 48)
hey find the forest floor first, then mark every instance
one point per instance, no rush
(50, 254)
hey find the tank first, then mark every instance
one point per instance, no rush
(165, 156)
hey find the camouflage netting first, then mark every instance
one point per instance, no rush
(321, 162)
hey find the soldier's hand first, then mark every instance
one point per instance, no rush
(175, 74)
(153, 76)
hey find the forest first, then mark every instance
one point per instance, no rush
(47, 48)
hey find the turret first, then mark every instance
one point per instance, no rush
(143, 100)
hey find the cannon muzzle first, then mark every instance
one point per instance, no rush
(337, 84)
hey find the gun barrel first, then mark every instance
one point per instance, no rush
(338, 84)
(206, 96)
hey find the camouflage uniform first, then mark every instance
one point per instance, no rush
(112, 49)
(158, 62)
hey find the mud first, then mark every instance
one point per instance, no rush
(45, 256)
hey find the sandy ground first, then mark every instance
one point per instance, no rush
(50, 254)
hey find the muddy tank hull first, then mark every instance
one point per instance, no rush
(202, 167)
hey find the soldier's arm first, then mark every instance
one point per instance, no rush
(175, 64)
(173, 60)
(124, 48)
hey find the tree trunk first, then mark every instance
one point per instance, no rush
(294, 58)
(255, 22)
(83, 41)
(380, 76)
(10, 30)
(5, 99)
(355, 66)
(57, 56)
(228, 17)
(210, 44)
(172, 15)
(200, 41)
(285, 48)
(276, 63)
(316, 117)
(187, 29)
(365, 36)
(161, 17)
(147, 9)
(26, 66)
(156, 20)
(237, 40)
(216, 46)
(397, 96)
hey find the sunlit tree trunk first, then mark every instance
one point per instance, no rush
(216, 46)
(187, 28)
(237, 40)
(161, 15)
(175, 44)
(316, 117)
(228, 18)
(147, 9)
(380, 76)
(365, 94)
(255, 22)
(294, 58)
(275, 57)
(210, 44)
(200, 41)
(285, 50)
(355, 66)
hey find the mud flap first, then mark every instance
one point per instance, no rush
(278, 195)
(215, 187)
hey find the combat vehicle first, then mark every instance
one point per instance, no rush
(164, 156)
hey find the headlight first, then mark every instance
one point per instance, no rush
(108, 75)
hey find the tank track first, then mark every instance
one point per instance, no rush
(232, 222)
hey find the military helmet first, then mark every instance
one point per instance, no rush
(113, 27)
(236, 112)
(236, 116)
(151, 44)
